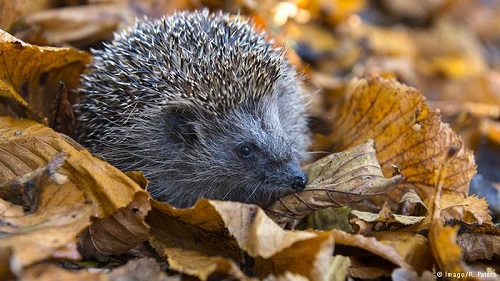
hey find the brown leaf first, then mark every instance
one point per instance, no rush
(62, 118)
(26, 145)
(413, 248)
(26, 190)
(327, 219)
(479, 245)
(51, 230)
(335, 180)
(30, 75)
(443, 239)
(217, 238)
(81, 26)
(140, 269)
(12, 11)
(411, 204)
(372, 245)
(117, 233)
(406, 133)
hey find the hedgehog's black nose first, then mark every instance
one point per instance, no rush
(299, 182)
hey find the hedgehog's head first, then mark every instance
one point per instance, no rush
(252, 153)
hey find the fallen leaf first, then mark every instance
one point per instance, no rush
(339, 268)
(372, 245)
(327, 219)
(26, 145)
(410, 204)
(413, 248)
(456, 54)
(34, 85)
(443, 239)
(80, 26)
(12, 11)
(62, 118)
(51, 231)
(117, 233)
(217, 238)
(402, 219)
(335, 180)
(477, 246)
(406, 134)
(469, 210)
(140, 269)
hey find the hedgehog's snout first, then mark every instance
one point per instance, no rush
(299, 181)
(295, 176)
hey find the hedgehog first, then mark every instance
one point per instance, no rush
(203, 103)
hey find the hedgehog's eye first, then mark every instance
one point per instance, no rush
(245, 150)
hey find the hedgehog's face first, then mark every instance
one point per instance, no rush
(247, 155)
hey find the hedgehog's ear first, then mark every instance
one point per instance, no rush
(180, 122)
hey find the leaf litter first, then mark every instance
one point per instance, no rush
(406, 206)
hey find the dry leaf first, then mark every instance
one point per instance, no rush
(477, 246)
(116, 234)
(327, 219)
(450, 50)
(340, 266)
(372, 245)
(26, 145)
(51, 230)
(335, 180)
(469, 210)
(217, 238)
(62, 118)
(406, 133)
(140, 269)
(34, 85)
(410, 204)
(413, 248)
(372, 217)
(26, 190)
(80, 26)
(443, 239)
(12, 11)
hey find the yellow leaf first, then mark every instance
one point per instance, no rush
(406, 133)
(26, 145)
(51, 227)
(216, 237)
(31, 74)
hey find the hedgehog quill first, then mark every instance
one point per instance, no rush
(201, 103)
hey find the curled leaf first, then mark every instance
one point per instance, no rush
(336, 180)
(26, 145)
(51, 228)
(216, 238)
(407, 133)
(34, 85)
